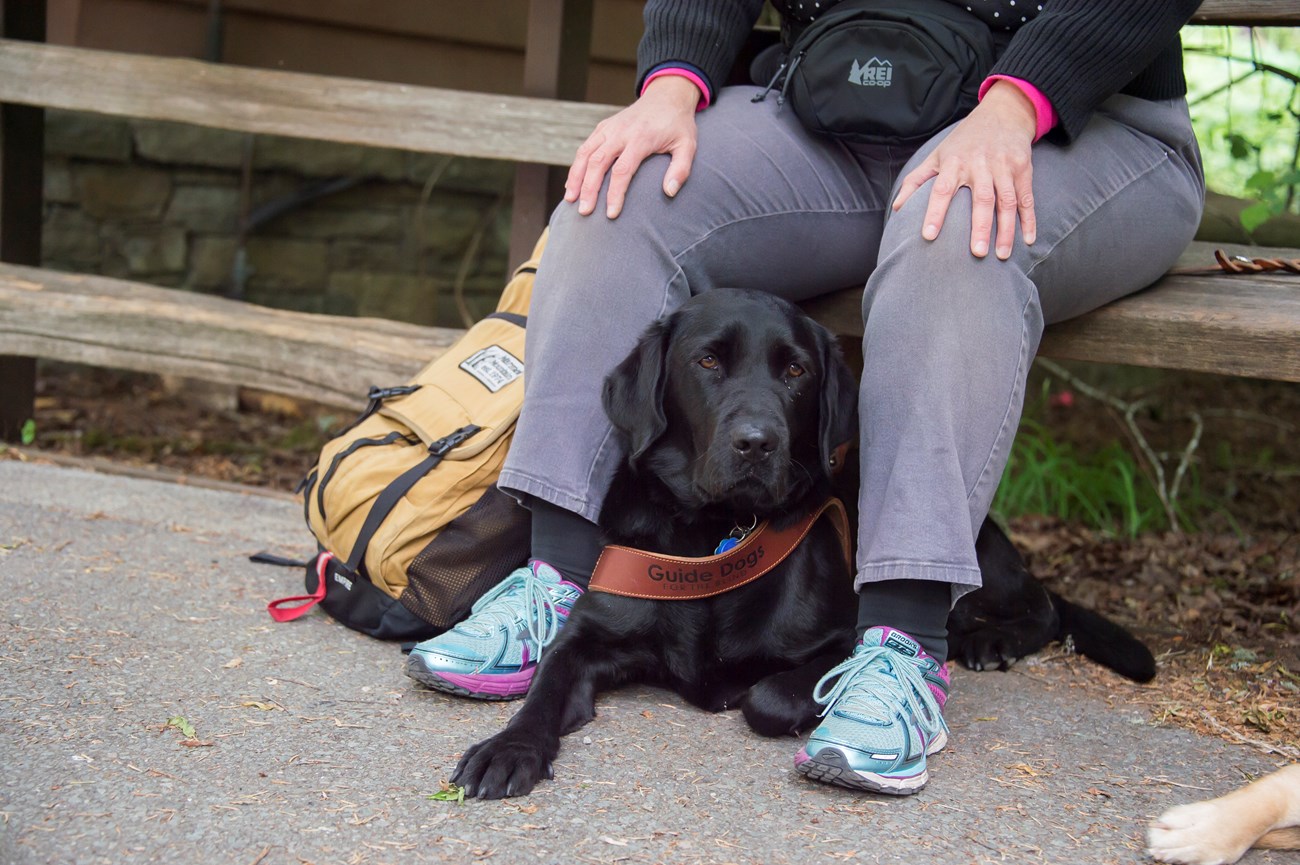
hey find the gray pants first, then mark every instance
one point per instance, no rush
(949, 337)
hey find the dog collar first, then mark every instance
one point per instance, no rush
(637, 573)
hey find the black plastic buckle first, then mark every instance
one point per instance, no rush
(378, 394)
(442, 446)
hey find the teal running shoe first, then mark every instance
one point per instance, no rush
(883, 716)
(492, 654)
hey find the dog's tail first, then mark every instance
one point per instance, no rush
(1099, 639)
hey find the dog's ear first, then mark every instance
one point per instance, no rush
(633, 395)
(839, 401)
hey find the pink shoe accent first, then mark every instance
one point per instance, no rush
(505, 685)
(940, 694)
(564, 611)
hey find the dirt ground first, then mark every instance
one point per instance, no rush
(1219, 605)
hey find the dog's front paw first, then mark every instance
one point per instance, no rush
(780, 705)
(1196, 834)
(508, 764)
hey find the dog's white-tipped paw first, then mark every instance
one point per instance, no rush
(1195, 834)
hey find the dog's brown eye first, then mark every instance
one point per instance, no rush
(794, 370)
(709, 362)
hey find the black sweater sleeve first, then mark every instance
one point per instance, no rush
(1079, 52)
(707, 34)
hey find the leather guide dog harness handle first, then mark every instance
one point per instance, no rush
(1236, 264)
(637, 573)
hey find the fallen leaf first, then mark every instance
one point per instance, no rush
(186, 728)
(448, 793)
(232, 663)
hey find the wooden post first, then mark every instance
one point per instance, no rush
(556, 58)
(22, 173)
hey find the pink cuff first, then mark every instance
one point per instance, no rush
(1046, 114)
(682, 73)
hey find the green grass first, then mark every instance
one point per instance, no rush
(1101, 486)
(1102, 489)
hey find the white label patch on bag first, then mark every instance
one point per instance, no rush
(494, 367)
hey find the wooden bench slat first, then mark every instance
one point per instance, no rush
(1232, 325)
(114, 323)
(345, 110)
(1180, 323)
(1257, 13)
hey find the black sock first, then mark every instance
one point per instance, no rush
(918, 608)
(565, 541)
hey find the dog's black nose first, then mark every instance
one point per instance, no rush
(753, 442)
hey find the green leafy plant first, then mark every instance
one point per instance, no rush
(27, 434)
(1244, 94)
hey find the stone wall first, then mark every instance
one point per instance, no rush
(162, 203)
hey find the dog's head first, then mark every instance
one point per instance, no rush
(735, 399)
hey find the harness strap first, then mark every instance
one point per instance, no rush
(634, 573)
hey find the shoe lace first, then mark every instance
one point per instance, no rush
(541, 615)
(875, 673)
(501, 607)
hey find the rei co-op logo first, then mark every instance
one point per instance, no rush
(874, 73)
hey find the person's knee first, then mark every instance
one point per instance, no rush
(584, 265)
(643, 203)
(938, 290)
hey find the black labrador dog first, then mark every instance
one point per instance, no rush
(732, 409)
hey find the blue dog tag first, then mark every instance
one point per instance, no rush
(738, 534)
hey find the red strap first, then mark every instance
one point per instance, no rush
(282, 613)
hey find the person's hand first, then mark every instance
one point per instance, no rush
(662, 120)
(989, 152)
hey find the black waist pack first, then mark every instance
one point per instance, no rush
(884, 72)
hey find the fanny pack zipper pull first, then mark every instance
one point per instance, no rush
(785, 85)
(759, 97)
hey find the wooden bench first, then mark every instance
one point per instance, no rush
(1239, 325)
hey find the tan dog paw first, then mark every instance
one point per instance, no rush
(1202, 833)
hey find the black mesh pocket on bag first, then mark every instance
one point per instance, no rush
(470, 555)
